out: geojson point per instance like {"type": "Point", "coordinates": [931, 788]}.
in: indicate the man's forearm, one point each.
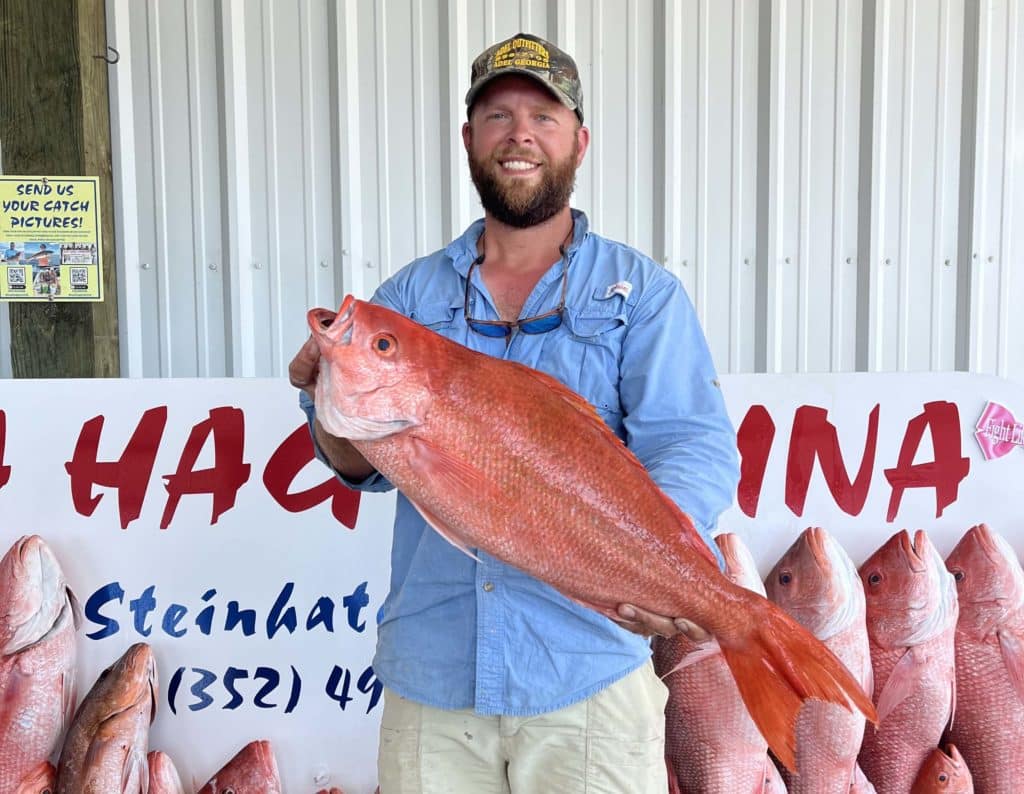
{"type": "Point", "coordinates": [342, 454]}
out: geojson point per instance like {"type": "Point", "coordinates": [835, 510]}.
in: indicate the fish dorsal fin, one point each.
{"type": "Point", "coordinates": [593, 418]}
{"type": "Point", "coordinates": [901, 684]}
{"type": "Point", "coordinates": [1011, 645]}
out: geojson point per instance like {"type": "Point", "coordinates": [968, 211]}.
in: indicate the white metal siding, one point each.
{"type": "Point", "coordinates": [839, 183]}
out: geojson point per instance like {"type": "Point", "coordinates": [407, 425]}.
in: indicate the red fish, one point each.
{"type": "Point", "coordinates": [989, 723]}
{"type": "Point", "coordinates": [816, 582]}
{"type": "Point", "coordinates": [106, 746]}
{"type": "Point", "coordinates": [946, 773]}
{"type": "Point", "coordinates": [41, 780]}
{"type": "Point", "coordinates": [496, 455]}
{"type": "Point", "coordinates": [911, 615]}
{"type": "Point", "coordinates": [711, 743]}
{"type": "Point", "coordinates": [163, 776]}
{"type": "Point", "coordinates": [252, 771]}
{"type": "Point", "coordinates": [37, 658]}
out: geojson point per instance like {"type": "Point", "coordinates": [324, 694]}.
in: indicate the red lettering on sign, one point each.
{"type": "Point", "coordinates": [754, 441]}
{"type": "Point", "coordinates": [945, 473]}
{"type": "Point", "coordinates": [284, 466]}
{"type": "Point", "coordinates": [5, 471]}
{"type": "Point", "coordinates": [229, 473]}
{"type": "Point", "coordinates": [129, 474]}
{"type": "Point", "coordinates": [814, 437]}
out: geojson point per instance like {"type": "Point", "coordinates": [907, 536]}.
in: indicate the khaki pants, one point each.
{"type": "Point", "coordinates": [611, 743]}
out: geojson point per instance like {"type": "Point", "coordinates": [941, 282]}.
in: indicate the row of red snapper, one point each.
{"type": "Point", "coordinates": [103, 745]}
{"type": "Point", "coordinates": [940, 644]}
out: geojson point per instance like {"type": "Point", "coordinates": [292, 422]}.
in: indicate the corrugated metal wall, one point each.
{"type": "Point", "coordinates": [839, 183]}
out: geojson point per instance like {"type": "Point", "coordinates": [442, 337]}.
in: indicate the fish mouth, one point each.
{"type": "Point", "coordinates": [42, 577]}
{"type": "Point", "coordinates": [916, 551]}
{"type": "Point", "coordinates": [954, 754]}
{"type": "Point", "coordinates": [334, 327]}
{"type": "Point", "coordinates": [817, 543]}
{"type": "Point", "coordinates": [986, 541]}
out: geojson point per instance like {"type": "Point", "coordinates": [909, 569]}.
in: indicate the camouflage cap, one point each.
{"type": "Point", "coordinates": [534, 57]}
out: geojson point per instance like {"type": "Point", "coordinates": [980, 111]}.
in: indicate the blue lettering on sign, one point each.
{"type": "Point", "coordinates": [147, 611]}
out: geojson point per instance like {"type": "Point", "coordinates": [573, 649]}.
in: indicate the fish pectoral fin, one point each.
{"type": "Point", "coordinates": [705, 650]}
{"type": "Point", "coordinates": [901, 684]}
{"type": "Point", "coordinates": [439, 527]}
{"type": "Point", "coordinates": [952, 697]}
{"type": "Point", "coordinates": [68, 695]}
{"type": "Point", "coordinates": [1011, 645]}
{"type": "Point", "coordinates": [135, 773]}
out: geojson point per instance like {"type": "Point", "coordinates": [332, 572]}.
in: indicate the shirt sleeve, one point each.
{"type": "Point", "coordinates": [673, 410]}
{"type": "Point", "coordinates": [388, 295]}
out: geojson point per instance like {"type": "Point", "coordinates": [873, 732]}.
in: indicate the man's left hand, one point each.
{"type": "Point", "coordinates": [640, 621]}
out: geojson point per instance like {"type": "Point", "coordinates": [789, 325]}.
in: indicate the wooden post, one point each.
{"type": "Point", "coordinates": [55, 121]}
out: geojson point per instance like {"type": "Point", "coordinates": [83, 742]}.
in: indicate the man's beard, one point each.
{"type": "Point", "coordinates": [521, 205]}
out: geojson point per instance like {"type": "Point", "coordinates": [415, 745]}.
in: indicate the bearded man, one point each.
{"type": "Point", "coordinates": [495, 682]}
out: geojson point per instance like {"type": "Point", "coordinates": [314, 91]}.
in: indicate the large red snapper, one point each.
{"type": "Point", "coordinates": [711, 743]}
{"type": "Point", "coordinates": [253, 770]}
{"type": "Point", "coordinates": [163, 775]}
{"type": "Point", "coordinates": [37, 666]}
{"type": "Point", "coordinates": [944, 773]}
{"type": "Point", "coordinates": [817, 583]}
{"type": "Point", "coordinates": [500, 457]}
{"type": "Point", "coordinates": [911, 617]}
{"type": "Point", "coordinates": [106, 746]}
{"type": "Point", "coordinates": [989, 723]}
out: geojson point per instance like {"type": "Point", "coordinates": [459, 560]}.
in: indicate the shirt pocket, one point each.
{"type": "Point", "coordinates": [586, 356]}
{"type": "Point", "coordinates": [438, 316]}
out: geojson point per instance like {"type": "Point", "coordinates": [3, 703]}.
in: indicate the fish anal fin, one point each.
{"type": "Point", "coordinates": [440, 528]}
{"type": "Point", "coordinates": [777, 665]}
{"type": "Point", "coordinates": [1011, 646]}
{"type": "Point", "coordinates": [901, 684]}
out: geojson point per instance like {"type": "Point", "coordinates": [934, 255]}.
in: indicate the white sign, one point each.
{"type": "Point", "coordinates": [188, 514]}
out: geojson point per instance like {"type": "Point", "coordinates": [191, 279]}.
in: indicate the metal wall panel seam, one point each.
{"type": "Point", "coordinates": [700, 281]}
{"type": "Point", "coordinates": [526, 17]}
{"type": "Point", "coordinates": [490, 24]}
{"type": "Point", "coordinates": [1006, 227]}
{"type": "Point", "coordinates": [804, 337]}
{"type": "Point", "coordinates": [940, 187]}
{"type": "Point", "coordinates": [458, 85]}
{"type": "Point", "coordinates": [565, 28]}
{"type": "Point", "coordinates": [309, 165]}
{"type": "Point", "coordinates": [633, 124]}
{"type": "Point", "coordinates": [907, 158]}
{"type": "Point", "coordinates": [384, 265]}
{"type": "Point", "coordinates": [157, 107]}
{"type": "Point", "coordinates": [238, 193]}
{"type": "Point", "coordinates": [200, 293]}
{"type": "Point", "coordinates": [419, 127]}
{"type": "Point", "coordinates": [6, 365]}
{"type": "Point", "coordinates": [738, 171]}
{"type": "Point", "coordinates": [876, 283]}
{"type": "Point", "coordinates": [839, 177]}
{"type": "Point", "coordinates": [672, 196]}
{"type": "Point", "coordinates": [981, 199]}
{"type": "Point", "coordinates": [272, 268]}
{"type": "Point", "coordinates": [597, 31]}
{"type": "Point", "coordinates": [126, 206]}
{"type": "Point", "coordinates": [774, 194]}
{"type": "Point", "coordinates": [347, 117]}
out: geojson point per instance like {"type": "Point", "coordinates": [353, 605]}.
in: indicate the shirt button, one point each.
{"type": "Point", "coordinates": [488, 586]}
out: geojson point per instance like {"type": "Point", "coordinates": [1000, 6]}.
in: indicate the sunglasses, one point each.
{"type": "Point", "coordinates": [540, 324]}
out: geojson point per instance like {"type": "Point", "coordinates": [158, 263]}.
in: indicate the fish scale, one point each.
{"type": "Point", "coordinates": [499, 457]}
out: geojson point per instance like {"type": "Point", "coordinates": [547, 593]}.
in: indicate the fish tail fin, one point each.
{"type": "Point", "coordinates": [777, 666]}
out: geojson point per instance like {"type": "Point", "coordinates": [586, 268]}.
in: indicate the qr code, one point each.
{"type": "Point", "coordinates": [16, 277]}
{"type": "Point", "coordinates": [79, 277]}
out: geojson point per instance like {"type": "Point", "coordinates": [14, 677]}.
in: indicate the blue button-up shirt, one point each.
{"type": "Point", "coordinates": [455, 632]}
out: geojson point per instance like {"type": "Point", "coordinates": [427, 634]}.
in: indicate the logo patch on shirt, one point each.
{"type": "Point", "coordinates": [623, 288]}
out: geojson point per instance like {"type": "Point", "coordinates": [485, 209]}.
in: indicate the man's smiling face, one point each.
{"type": "Point", "coordinates": [524, 147]}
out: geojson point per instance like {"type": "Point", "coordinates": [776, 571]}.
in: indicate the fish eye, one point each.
{"type": "Point", "coordinates": [958, 575]}
{"type": "Point", "coordinates": [875, 579]}
{"type": "Point", "coordinates": [943, 777]}
{"type": "Point", "coordinates": [785, 577]}
{"type": "Point", "coordinates": [385, 344]}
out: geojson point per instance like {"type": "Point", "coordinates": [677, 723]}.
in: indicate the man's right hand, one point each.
{"type": "Point", "coordinates": [303, 372]}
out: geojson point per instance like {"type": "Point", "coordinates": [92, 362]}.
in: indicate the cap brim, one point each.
{"type": "Point", "coordinates": [483, 82]}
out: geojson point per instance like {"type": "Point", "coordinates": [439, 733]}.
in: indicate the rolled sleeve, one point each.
{"type": "Point", "coordinates": [674, 413]}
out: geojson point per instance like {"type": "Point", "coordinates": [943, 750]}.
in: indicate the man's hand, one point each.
{"type": "Point", "coordinates": [640, 621]}
{"type": "Point", "coordinates": [305, 367]}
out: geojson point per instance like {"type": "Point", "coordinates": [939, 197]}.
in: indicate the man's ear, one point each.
{"type": "Point", "coordinates": [582, 142]}
{"type": "Point", "coordinates": [467, 135]}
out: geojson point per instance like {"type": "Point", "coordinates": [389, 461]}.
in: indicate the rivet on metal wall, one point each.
{"type": "Point", "coordinates": [323, 264]}
{"type": "Point", "coordinates": [991, 259]}
{"type": "Point", "coordinates": [974, 255]}
{"type": "Point", "coordinates": [258, 265]}
{"type": "Point", "coordinates": [746, 260]}
{"type": "Point", "coordinates": [145, 266]}
{"type": "Point", "coordinates": [849, 260]}
{"type": "Point", "coordinates": [212, 265]}
{"type": "Point", "coordinates": [369, 265]}
{"type": "Point", "coordinates": [888, 261]}
{"type": "Point", "coordinates": [946, 262]}
{"type": "Point", "coordinates": [788, 260]}
{"type": "Point", "coordinates": [344, 252]}
{"type": "Point", "coordinates": [686, 263]}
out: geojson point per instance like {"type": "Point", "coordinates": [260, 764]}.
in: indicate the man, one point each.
{"type": "Point", "coordinates": [494, 681]}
